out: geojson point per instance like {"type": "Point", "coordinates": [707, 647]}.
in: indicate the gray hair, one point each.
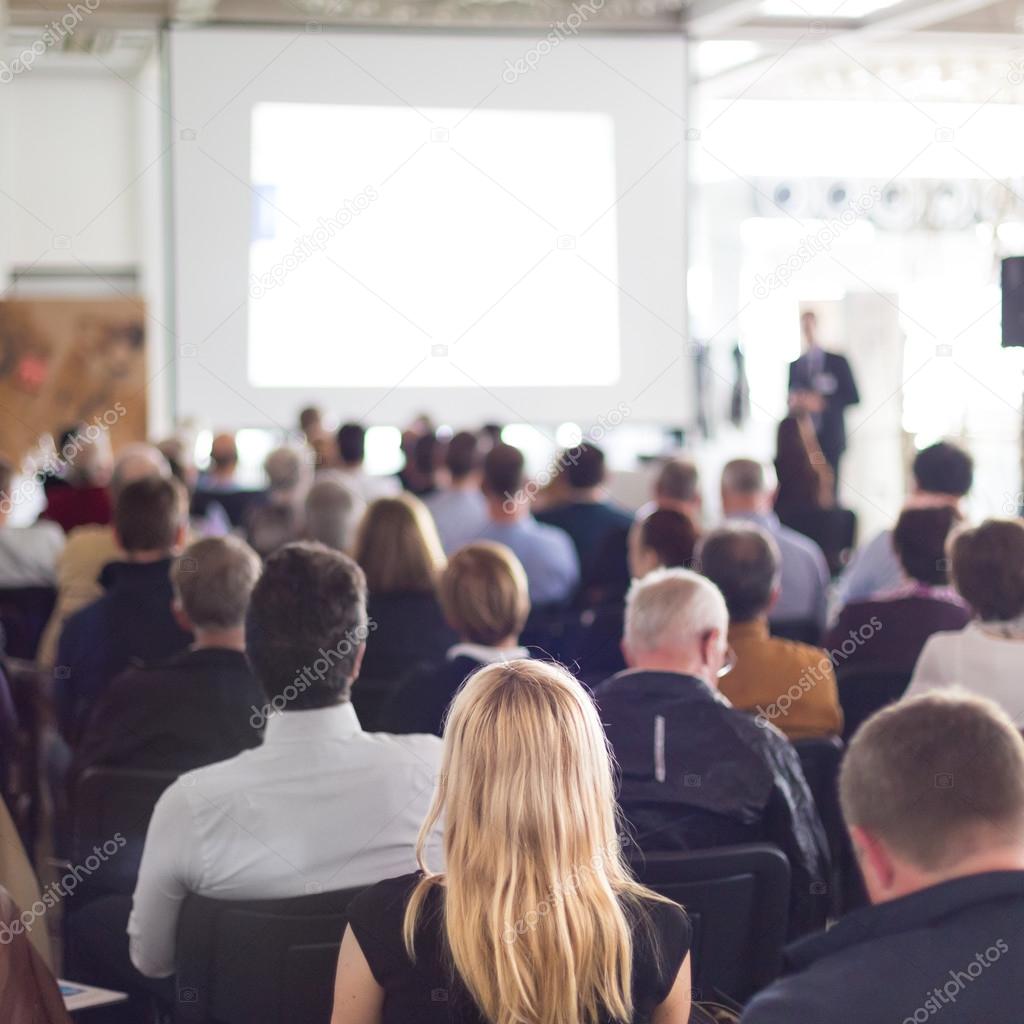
{"type": "Point", "coordinates": [213, 579]}
{"type": "Point", "coordinates": [285, 469]}
{"type": "Point", "coordinates": [332, 511]}
{"type": "Point", "coordinates": [671, 609]}
{"type": "Point", "coordinates": [135, 462]}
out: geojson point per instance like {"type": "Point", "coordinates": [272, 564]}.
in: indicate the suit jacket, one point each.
{"type": "Point", "coordinates": [709, 776]}
{"type": "Point", "coordinates": [194, 709]}
{"type": "Point", "coordinates": [836, 384]}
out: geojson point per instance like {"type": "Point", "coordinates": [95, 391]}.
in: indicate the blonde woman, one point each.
{"type": "Point", "coordinates": [536, 919]}
{"type": "Point", "coordinates": [398, 549]}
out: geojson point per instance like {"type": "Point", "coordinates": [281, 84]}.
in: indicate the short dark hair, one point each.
{"type": "Point", "coordinates": [919, 540]}
{"type": "Point", "coordinates": [937, 777]}
{"type": "Point", "coordinates": [149, 512]}
{"type": "Point", "coordinates": [305, 625]}
{"type": "Point", "coordinates": [463, 455]}
{"type": "Point", "coordinates": [671, 535]}
{"type": "Point", "coordinates": [944, 468]}
{"type": "Point", "coordinates": [988, 568]}
{"type": "Point", "coordinates": [584, 466]}
{"type": "Point", "coordinates": [424, 453]}
{"type": "Point", "coordinates": [743, 562]}
{"type": "Point", "coordinates": [351, 439]}
{"type": "Point", "coordinates": [503, 471]}
{"type": "Point", "coordinates": [678, 480]}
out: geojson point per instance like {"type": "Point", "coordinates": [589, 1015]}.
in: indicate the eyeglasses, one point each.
{"type": "Point", "coordinates": [729, 664]}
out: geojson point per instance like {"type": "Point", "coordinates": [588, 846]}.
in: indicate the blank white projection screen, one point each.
{"type": "Point", "coordinates": [389, 224]}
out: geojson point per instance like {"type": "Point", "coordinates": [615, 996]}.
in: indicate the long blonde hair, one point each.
{"type": "Point", "coordinates": [535, 884]}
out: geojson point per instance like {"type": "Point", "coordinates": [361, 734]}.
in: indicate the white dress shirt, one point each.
{"type": "Point", "coordinates": [320, 806]}
{"type": "Point", "coordinates": [977, 659]}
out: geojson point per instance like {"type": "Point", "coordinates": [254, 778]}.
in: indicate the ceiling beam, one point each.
{"type": "Point", "coordinates": [709, 17]}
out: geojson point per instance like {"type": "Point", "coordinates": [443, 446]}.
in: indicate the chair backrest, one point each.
{"type": "Point", "coordinates": [259, 962]}
{"type": "Point", "coordinates": [834, 530]}
{"type": "Point", "coordinates": [863, 690]}
{"type": "Point", "coordinates": [111, 805]}
{"type": "Point", "coordinates": [737, 899]}
{"type": "Point", "coordinates": [24, 612]}
{"type": "Point", "coordinates": [820, 759]}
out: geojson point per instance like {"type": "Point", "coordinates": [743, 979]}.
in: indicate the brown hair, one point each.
{"type": "Point", "coordinates": [937, 778]}
{"type": "Point", "coordinates": [398, 547]}
{"type": "Point", "coordinates": [988, 568]}
{"type": "Point", "coordinates": [671, 536]}
{"type": "Point", "coordinates": [149, 512]}
{"type": "Point", "coordinates": [484, 593]}
{"type": "Point", "coordinates": [919, 540]}
{"type": "Point", "coordinates": [678, 480]}
{"type": "Point", "coordinates": [804, 477]}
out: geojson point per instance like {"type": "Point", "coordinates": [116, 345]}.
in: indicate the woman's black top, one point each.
{"type": "Point", "coordinates": [429, 992]}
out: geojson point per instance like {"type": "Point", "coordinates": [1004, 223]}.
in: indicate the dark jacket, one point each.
{"type": "Point", "coordinates": [887, 635]}
{"type": "Point", "coordinates": [836, 384]}
{"type": "Point", "coordinates": [194, 709]}
{"type": "Point", "coordinates": [130, 623]}
{"type": "Point", "coordinates": [949, 953]}
{"type": "Point", "coordinates": [717, 779]}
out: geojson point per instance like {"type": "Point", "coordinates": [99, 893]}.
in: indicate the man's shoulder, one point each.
{"type": "Point", "coordinates": [797, 544]}
{"type": "Point", "coordinates": [797, 654]}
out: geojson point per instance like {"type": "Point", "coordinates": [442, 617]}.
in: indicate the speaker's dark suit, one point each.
{"type": "Point", "coordinates": [833, 379]}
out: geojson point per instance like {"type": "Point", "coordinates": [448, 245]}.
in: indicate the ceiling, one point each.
{"type": "Point", "coordinates": [741, 41]}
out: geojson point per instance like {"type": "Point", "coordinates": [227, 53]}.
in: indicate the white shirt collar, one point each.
{"type": "Point", "coordinates": [484, 654]}
{"type": "Point", "coordinates": [338, 722]}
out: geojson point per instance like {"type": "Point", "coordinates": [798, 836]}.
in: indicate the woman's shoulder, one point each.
{"type": "Point", "coordinates": [390, 894]}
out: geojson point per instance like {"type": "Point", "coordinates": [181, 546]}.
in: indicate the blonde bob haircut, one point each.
{"type": "Point", "coordinates": [398, 548]}
{"type": "Point", "coordinates": [536, 891]}
{"type": "Point", "coordinates": [484, 593]}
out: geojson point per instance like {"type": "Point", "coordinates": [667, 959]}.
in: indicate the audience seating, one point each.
{"type": "Point", "coordinates": [863, 690]}
{"type": "Point", "coordinates": [820, 759]}
{"type": "Point", "coordinates": [737, 898]}
{"type": "Point", "coordinates": [24, 612]}
{"type": "Point", "coordinates": [834, 530]}
{"type": "Point", "coordinates": [259, 962]}
{"type": "Point", "coordinates": [237, 505]}
{"type": "Point", "coordinates": [106, 802]}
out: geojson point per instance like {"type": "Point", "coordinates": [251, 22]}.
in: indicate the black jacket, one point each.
{"type": "Point", "coordinates": [419, 705]}
{"type": "Point", "coordinates": [708, 775]}
{"type": "Point", "coordinates": [130, 624]}
{"type": "Point", "coordinates": [948, 954]}
{"type": "Point", "coordinates": [197, 708]}
{"type": "Point", "coordinates": [836, 384]}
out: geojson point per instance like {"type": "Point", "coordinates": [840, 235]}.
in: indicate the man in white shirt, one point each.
{"type": "Point", "coordinates": [321, 805]}
{"type": "Point", "coordinates": [28, 554]}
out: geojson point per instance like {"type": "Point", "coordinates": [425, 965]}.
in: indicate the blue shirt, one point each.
{"type": "Point", "coordinates": [873, 569]}
{"type": "Point", "coordinates": [804, 576]}
{"type": "Point", "coordinates": [459, 516]}
{"type": "Point", "coordinates": [547, 554]}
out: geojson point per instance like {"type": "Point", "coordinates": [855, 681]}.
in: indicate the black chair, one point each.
{"type": "Point", "coordinates": [864, 690]}
{"type": "Point", "coordinates": [834, 530]}
{"type": "Point", "coordinates": [737, 899]}
{"type": "Point", "coordinates": [804, 631]}
{"type": "Point", "coordinates": [110, 805]}
{"type": "Point", "coordinates": [24, 613]}
{"type": "Point", "coordinates": [820, 759]}
{"type": "Point", "coordinates": [237, 505]}
{"type": "Point", "coordinates": [261, 961]}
